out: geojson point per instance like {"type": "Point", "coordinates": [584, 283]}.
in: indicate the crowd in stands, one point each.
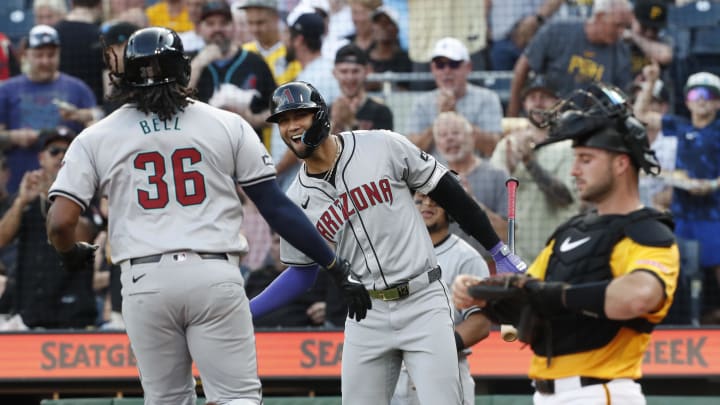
{"type": "Point", "coordinates": [55, 81]}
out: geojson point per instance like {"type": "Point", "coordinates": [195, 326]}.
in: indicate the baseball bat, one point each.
{"type": "Point", "coordinates": [508, 332]}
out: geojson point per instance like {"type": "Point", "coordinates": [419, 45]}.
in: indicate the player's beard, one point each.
{"type": "Point", "coordinates": [304, 153]}
{"type": "Point", "coordinates": [599, 191]}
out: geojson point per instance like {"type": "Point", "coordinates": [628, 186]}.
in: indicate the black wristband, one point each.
{"type": "Point", "coordinates": [587, 299]}
{"type": "Point", "coordinates": [459, 344]}
{"type": "Point", "coordinates": [540, 19]}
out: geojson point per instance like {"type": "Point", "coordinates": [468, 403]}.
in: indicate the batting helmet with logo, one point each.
{"type": "Point", "coordinates": [600, 117]}
{"type": "Point", "coordinates": [298, 95]}
{"type": "Point", "coordinates": [155, 56]}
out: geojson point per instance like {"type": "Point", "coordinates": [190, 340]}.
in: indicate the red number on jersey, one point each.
{"type": "Point", "coordinates": [182, 178]}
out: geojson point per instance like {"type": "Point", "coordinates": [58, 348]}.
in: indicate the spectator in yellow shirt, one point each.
{"type": "Point", "coordinates": [170, 14]}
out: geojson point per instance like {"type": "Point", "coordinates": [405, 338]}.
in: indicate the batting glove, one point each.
{"type": "Point", "coordinates": [354, 292]}
{"type": "Point", "coordinates": [507, 261]}
{"type": "Point", "coordinates": [79, 258]}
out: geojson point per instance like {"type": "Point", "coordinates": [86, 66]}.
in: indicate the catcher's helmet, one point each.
{"type": "Point", "coordinates": [302, 96]}
{"type": "Point", "coordinates": [155, 56]}
{"type": "Point", "coordinates": [600, 117]}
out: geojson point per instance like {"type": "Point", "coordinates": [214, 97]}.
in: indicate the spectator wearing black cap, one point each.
{"type": "Point", "coordinates": [226, 75]}
{"type": "Point", "coordinates": [646, 38]}
{"type": "Point", "coordinates": [114, 37]}
{"type": "Point", "coordinates": [543, 173]}
{"type": "Point", "coordinates": [42, 97]}
{"type": "Point", "coordinates": [44, 293]}
{"type": "Point", "coordinates": [354, 109]}
{"type": "Point", "coordinates": [385, 53]}
{"type": "Point", "coordinates": [305, 45]}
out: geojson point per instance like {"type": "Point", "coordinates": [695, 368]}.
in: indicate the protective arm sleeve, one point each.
{"type": "Point", "coordinates": [289, 285]}
{"type": "Point", "coordinates": [289, 221]}
{"type": "Point", "coordinates": [450, 195]}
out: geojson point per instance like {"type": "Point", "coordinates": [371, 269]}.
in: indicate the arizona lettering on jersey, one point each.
{"type": "Point", "coordinates": [358, 199]}
{"type": "Point", "coordinates": [369, 213]}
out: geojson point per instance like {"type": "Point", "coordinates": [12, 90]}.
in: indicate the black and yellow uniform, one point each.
{"type": "Point", "coordinates": [593, 248]}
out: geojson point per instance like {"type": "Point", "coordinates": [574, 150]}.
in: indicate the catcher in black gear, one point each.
{"type": "Point", "coordinates": [589, 302]}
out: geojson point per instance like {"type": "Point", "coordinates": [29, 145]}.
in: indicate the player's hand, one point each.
{"type": "Point", "coordinates": [354, 292]}
{"type": "Point", "coordinates": [506, 261]}
{"type": "Point", "coordinates": [460, 296]}
{"type": "Point", "coordinates": [79, 258]}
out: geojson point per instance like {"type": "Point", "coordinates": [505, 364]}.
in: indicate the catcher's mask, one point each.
{"type": "Point", "coordinates": [302, 96]}
{"type": "Point", "coordinates": [155, 56]}
{"type": "Point", "coordinates": [599, 117]}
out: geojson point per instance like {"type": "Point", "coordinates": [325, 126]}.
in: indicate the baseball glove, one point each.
{"type": "Point", "coordinates": [79, 258]}
{"type": "Point", "coordinates": [519, 300]}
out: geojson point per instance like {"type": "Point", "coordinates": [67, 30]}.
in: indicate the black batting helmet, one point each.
{"type": "Point", "coordinates": [600, 117]}
{"type": "Point", "coordinates": [155, 56]}
{"type": "Point", "coordinates": [302, 96]}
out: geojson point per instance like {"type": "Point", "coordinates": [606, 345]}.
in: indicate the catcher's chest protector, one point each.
{"type": "Point", "coordinates": [581, 254]}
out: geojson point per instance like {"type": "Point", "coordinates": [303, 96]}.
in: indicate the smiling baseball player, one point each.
{"type": "Point", "coordinates": [355, 187]}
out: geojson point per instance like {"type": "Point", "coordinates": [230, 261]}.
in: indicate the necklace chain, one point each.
{"type": "Point", "coordinates": [338, 150]}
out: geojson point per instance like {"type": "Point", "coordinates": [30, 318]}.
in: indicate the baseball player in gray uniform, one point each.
{"type": "Point", "coordinates": [455, 257]}
{"type": "Point", "coordinates": [355, 187]}
{"type": "Point", "coordinates": [169, 166]}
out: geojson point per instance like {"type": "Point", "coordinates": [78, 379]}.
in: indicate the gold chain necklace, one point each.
{"type": "Point", "coordinates": [330, 172]}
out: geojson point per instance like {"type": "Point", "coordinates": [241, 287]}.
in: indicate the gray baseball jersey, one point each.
{"type": "Point", "coordinates": [370, 216]}
{"type": "Point", "coordinates": [455, 257]}
{"type": "Point", "coordinates": [160, 177]}
{"type": "Point", "coordinates": [171, 187]}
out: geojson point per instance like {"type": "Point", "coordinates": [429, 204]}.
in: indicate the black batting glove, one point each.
{"type": "Point", "coordinates": [353, 291]}
{"type": "Point", "coordinates": [79, 258]}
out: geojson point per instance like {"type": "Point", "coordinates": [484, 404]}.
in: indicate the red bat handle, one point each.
{"type": "Point", "coordinates": [512, 185]}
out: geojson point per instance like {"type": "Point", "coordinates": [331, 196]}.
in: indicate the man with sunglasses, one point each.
{"type": "Point", "coordinates": [695, 205]}
{"type": "Point", "coordinates": [450, 67]}
{"type": "Point", "coordinates": [44, 294]}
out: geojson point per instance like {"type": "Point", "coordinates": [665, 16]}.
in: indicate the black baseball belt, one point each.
{"type": "Point", "coordinates": [403, 290]}
{"type": "Point", "coordinates": [547, 387]}
{"type": "Point", "coordinates": [156, 258]}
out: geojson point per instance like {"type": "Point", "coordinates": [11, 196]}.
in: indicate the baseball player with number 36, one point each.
{"type": "Point", "coordinates": [169, 166]}
{"type": "Point", "coordinates": [355, 187]}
